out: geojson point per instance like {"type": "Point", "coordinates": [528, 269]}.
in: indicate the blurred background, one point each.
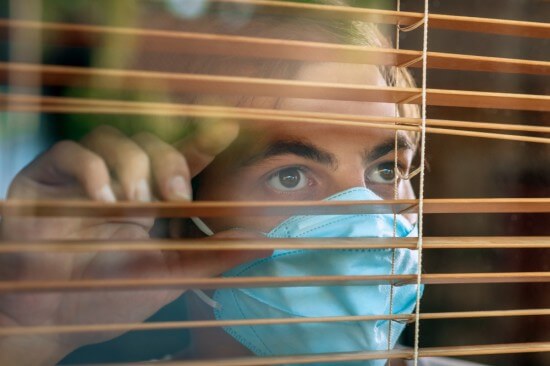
{"type": "Point", "coordinates": [459, 167]}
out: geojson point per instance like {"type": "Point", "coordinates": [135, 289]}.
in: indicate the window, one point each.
{"type": "Point", "coordinates": [275, 182]}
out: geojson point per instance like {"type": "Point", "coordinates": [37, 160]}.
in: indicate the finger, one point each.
{"type": "Point", "coordinates": [67, 161]}
{"type": "Point", "coordinates": [213, 263]}
{"type": "Point", "coordinates": [169, 167]}
{"type": "Point", "coordinates": [210, 139]}
{"type": "Point", "coordinates": [128, 162]}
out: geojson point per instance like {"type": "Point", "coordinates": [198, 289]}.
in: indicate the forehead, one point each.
{"type": "Point", "coordinates": [330, 73]}
{"type": "Point", "coordinates": [254, 136]}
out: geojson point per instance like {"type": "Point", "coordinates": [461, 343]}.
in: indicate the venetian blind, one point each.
{"type": "Point", "coordinates": [31, 91]}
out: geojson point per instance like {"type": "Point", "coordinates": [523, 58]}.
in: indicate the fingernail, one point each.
{"type": "Point", "coordinates": [179, 188]}
{"type": "Point", "coordinates": [106, 194]}
{"type": "Point", "coordinates": [142, 192]}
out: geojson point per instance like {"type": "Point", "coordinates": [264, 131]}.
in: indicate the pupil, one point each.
{"type": "Point", "coordinates": [387, 174]}
{"type": "Point", "coordinates": [289, 178]}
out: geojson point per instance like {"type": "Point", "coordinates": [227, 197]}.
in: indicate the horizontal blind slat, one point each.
{"type": "Point", "coordinates": [246, 282]}
{"type": "Point", "coordinates": [199, 208]}
{"type": "Point", "coordinates": [85, 328]}
{"type": "Point", "coordinates": [159, 112]}
{"type": "Point", "coordinates": [230, 45]}
{"type": "Point", "coordinates": [482, 242]}
{"type": "Point", "coordinates": [268, 208]}
{"type": "Point", "coordinates": [42, 103]}
{"type": "Point", "coordinates": [442, 21]}
{"type": "Point", "coordinates": [68, 75]}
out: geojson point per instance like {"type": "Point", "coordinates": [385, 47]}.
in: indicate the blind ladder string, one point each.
{"type": "Point", "coordinates": [396, 114]}
{"type": "Point", "coordinates": [421, 189]}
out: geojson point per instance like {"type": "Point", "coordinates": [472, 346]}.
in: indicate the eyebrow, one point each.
{"type": "Point", "coordinates": [299, 148]}
{"type": "Point", "coordinates": [386, 147]}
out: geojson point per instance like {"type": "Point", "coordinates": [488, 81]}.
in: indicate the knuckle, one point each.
{"type": "Point", "coordinates": [175, 160]}
{"type": "Point", "coordinates": [63, 147]}
{"type": "Point", "coordinates": [138, 159]}
{"type": "Point", "coordinates": [92, 163]}
{"type": "Point", "coordinates": [170, 161]}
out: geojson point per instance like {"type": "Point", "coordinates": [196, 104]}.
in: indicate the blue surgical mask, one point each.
{"type": "Point", "coordinates": [323, 301]}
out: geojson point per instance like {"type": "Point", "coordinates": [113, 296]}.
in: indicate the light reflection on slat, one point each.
{"type": "Point", "coordinates": [161, 112]}
{"type": "Point", "coordinates": [461, 23]}
{"type": "Point", "coordinates": [219, 44]}
{"type": "Point", "coordinates": [459, 242]}
{"type": "Point", "coordinates": [246, 282]}
{"type": "Point", "coordinates": [80, 208]}
{"type": "Point", "coordinates": [118, 327]}
{"type": "Point", "coordinates": [54, 75]}
{"type": "Point", "coordinates": [255, 113]}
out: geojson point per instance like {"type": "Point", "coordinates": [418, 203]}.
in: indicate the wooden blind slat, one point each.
{"type": "Point", "coordinates": [521, 242]}
{"type": "Point", "coordinates": [198, 283]}
{"type": "Point", "coordinates": [159, 112]}
{"type": "Point", "coordinates": [63, 75]}
{"type": "Point", "coordinates": [45, 103]}
{"type": "Point", "coordinates": [250, 208]}
{"type": "Point", "coordinates": [198, 208]}
{"type": "Point", "coordinates": [124, 327]}
{"type": "Point", "coordinates": [452, 22]}
{"type": "Point", "coordinates": [246, 282]}
{"type": "Point", "coordinates": [229, 45]}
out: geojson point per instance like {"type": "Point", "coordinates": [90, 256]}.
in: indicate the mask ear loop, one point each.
{"type": "Point", "coordinates": [202, 226]}
{"type": "Point", "coordinates": [200, 293]}
{"type": "Point", "coordinates": [207, 299]}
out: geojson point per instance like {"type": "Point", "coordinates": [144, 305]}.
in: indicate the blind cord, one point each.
{"type": "Point", "coordinates": [421, 190]}
{"type": "Point", "coordinates": [395, 189]}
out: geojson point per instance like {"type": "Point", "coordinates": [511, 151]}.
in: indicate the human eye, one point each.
{"type": "Point", "coordinates": [288, 179]}
{"type": "Point", "coordinates": [383, 173]}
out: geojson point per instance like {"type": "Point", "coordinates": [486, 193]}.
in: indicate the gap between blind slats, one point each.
{"type": "Point", "coordinates": [283, 208]}
{"type": "Point", "coordinates": [230, 45]}
{"type": "Point", "coordinates": [441, 21]}
{"type": "Point", "coordinates": [521, 242]}
{"type": "Point", "coordinates": [253, 282]}
{"type": "Point", "coordinates": [32, 103]}
{"type": "Point", "coordinates": [119, 327]}
{"type": "Point", "coordinates": [77, 76]}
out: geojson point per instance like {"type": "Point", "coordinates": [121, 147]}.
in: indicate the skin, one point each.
{"type": "Point", "coordinates": [108, 166]}
{"type": "Point", "coordinates": [328, 159]}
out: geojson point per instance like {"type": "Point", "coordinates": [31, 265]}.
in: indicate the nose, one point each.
{"type": "Point", "coordinates": [348, 176]}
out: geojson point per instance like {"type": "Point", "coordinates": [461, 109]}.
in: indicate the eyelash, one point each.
{"type": "Point", "coordinates": [306, 173]}
{"type": "Point", "coordinates": [301, 169]}
{"type": "Point", "coordinates": [391, 163]}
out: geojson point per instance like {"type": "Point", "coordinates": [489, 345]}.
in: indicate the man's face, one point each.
{"type": "Point", "coordinates": [274, 161]}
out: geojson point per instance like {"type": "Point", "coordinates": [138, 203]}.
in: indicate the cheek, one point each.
{"type": "Point", "coordinates": [405, 190]}
{"type": "Point", "coordinates": [216, 184]}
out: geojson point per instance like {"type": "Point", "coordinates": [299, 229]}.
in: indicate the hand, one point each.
{"type": "Point", "coordinates": [105, 166]}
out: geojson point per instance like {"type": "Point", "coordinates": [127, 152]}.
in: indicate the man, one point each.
{"type": "Point", "coordinates": [229, 161]}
